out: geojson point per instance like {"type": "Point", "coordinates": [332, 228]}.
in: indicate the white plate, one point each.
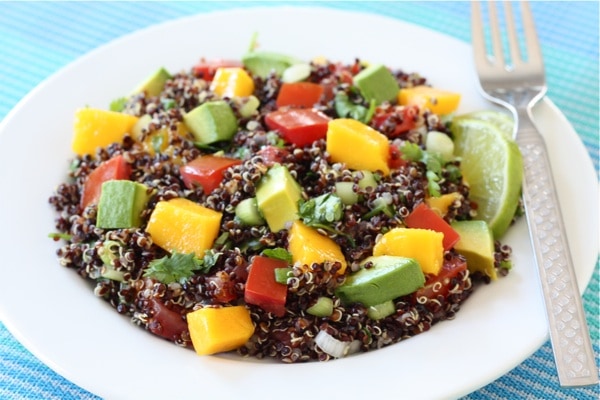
{"type": "Point", "coordinates": [54, 314]}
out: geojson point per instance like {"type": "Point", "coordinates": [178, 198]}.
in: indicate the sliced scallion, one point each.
{"type": "Point", "coordinates": [322, 308]}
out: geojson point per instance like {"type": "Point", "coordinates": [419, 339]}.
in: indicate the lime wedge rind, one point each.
{"type": "Point", "coordinates": [492, 166]}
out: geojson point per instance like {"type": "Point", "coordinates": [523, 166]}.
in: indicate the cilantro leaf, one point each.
{"type": "Point", "coordinates": [346, 108]}
{"type": "Point", "coordinates": [278, 253]}
{"type": "Point", "coordinates": [177, 267]}
{"type": "Point", "coordinates": [321, 212]}
{"type": "Point", "coordinates": [325, 209]}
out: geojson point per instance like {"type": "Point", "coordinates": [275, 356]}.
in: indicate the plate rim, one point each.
{"type": "Point", "coordinates": [164, 25]}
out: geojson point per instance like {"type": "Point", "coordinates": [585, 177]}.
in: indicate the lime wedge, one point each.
{"type": "Point", "coordinates": [501, 120]}
{"type": "Point", "coordinates": [493, 168]}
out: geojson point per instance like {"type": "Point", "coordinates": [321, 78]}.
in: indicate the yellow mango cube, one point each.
{"type": "Point", "coordinates": [232, 82]}
{"type": "Point", "coordinates": [436, 100]}
{"type": "Point", "coordinates": [308, 246]}
{"type": "Point", "coordinates": [357, 145]}
{"type": "Point", "coordinates": [184, 226]}
{"type": "Point", "coordinates": [215, 330]}
{"type": "Point", "coordinates": [441, 204]}
{"type": "Point", "coordinates": [423, 245]}
{"type": "Point", "coordinates": [94, 128]}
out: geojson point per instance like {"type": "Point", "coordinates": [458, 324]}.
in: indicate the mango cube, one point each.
{"type": "Point", "coordinates": [215, 330]}
{"type": "Point", "coordinates": [357, 145]}
{"type": "Point", "coordinates": [94, 128]}
{"type": "Point", "coordinates": [442, 203]}
{"type": "Point", "coordinates": [436, 100]}
{"type": "Point", "coordinates": [308, 246]}
{"type": "Point", "coordinates": [232, 82]}
{"type": "Point", "coordinates": [423, 245]}
{"type": "Point", "coordinates": [184, 226]}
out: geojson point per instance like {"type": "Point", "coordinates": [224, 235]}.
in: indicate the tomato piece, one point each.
{"type": "Point", "coordinates": [395, 159]}
{"type": "Point", "coordinates": [113, 169]}
{"type": "Point", "coordinates": [261, 287]}
{"type": "Point", "coordinates": [424, 217]}
{"type": "Point", "coordinates": [272, 155]}
{"type": "Point", "coordinates": [207, 69]}
{"type": "Point", "coordinates": [300, 126]}
{"type": "Point", "coordinates": [396, 122]}
{"type": "Point", "coordinates": [440, 284]}
{"type": "Point", "coordinates": [206, 171]}
{"type": "Point", "coordinates": [299, 94]}
{"type": "Point", "coordinates": [222, 288]}
{"type": "Point", "coordinates": [165, 322]}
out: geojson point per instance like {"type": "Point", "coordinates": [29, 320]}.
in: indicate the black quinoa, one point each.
{"type": "Point", "coordinates": [161, 308]}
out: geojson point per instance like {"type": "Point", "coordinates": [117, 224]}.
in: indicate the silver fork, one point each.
{"type": "Point", "coordinates": [518, 84]}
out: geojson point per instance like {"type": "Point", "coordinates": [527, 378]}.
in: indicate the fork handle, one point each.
{"type": "Point", "coordinates": [575, 362]}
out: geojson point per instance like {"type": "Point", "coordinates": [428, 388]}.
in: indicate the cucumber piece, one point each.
{"type": "Point", "coordinates": [322, 308]}
{"type": "Point", "coordinates": [441, 144]}
{"type": "Point", "coordinates": [386, 278]}
{"type": "Point", "coordinates": [248, 213]}
{"type": "Point", "coordinates": [345, 191]}
{"type": "Point", "coordinates": [379, 311]}
{"type": "Point", "coordinates": [367, 180]}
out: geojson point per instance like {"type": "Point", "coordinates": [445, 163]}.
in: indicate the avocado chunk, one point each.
{"type": "Point", "coordinates": [121, 204]}
{"type": "Point", "coordinates": [277, 197]}
{"type": "Point", "coordinates": [155, 83]}
{"type": "Point", "coordinates": [476, 244]}
{"type": "Point", "coordinates": [247, 212]}
{"type": "Point", "coordinates": [261, 63]}
{"type": "Point", "coordinates": [211, 122]}
{"type": "Point", "coordinates": [376, 82]}
{"type": "Point", "coordinates": [386, 278]}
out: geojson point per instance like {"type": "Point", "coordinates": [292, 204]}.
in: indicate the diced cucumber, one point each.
{"type": "Point", "coordinates": [441, 144]}
{"type": "Point", "coordinates": [382, 310]}
{"type": "Point", "coordinates": [367, 180]}
{"type": "Point", "coordinates": [296, 73]}
{"type": "Point", "coordinates": [248, 213]}
{"type": "Point", "coordinates": [322, 308]}
{"type": "Point", "coordinates": [345, 191]}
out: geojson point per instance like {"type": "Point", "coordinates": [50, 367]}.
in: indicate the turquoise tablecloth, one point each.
{"type": "Point", "coordinates": [37, 39]}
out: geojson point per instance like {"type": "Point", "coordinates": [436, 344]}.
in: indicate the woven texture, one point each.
{"type": "Point", "coordinates": [37, 39]}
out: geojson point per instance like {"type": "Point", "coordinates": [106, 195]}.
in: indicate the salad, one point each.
{"type": "Point", "coordinates": [279, 208]}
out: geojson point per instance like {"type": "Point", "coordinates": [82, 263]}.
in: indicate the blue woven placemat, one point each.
{"type": "Point", "coordinates": [37, 39]}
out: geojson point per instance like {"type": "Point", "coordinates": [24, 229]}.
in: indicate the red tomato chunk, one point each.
{"type": "Point", "coordinates": [206, 171]}
{"type": "Point", "coordinates": [299, 94]}
{"type": "Point", "coordinates": [261, 287]}
{"type": "Point", "coordinates": [424, 217]}
{"type": "Point", "coordinates": [299, 126]}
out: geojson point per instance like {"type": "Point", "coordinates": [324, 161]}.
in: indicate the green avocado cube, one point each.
{"type": "Point", "coordinates": [387, 278]}
{"type": "Point", "coordinates": [377, 83]}
{"type": "Point", "coordinates": [155, 83]}
{"type": "Point", "coordinates": [262, 63]}
{"type": "Point", "coordinates": [211, 122]}
{"type": "Point", "coordinates": [476, 244]}
{"type": "Point", "coordinates": [121, 204]}
{"type": "Point", "coordinates": [277, 197]}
